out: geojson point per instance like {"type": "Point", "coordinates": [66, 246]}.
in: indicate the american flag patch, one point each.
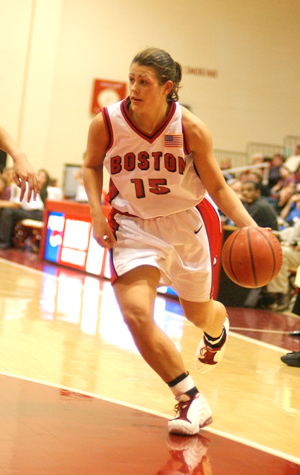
{"type": "Point", "coordinates": [173, 140]}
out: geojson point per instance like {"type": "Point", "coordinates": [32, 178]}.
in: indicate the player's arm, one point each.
{"type": "Point", "coordinates": [93, 180]}
{"type": "Point", "coordinates": [23, 171]}
{"type": "Point", "coordinates": [200, 144]}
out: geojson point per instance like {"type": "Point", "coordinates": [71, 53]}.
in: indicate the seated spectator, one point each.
{"type": "Point", "coordinates": [284, 188]}
{"type": "Point", "coordinates": [251, 174]}
{"type": "Point", "coordinates": [257, 158]}
{"type": "Point", "coordinates": [278, 288]}
{"type": "Point", "coordinates": [14, 210]}
{"type": "Point", "coordinates": [293, 162]}
{"type": "Point", "coordinates": [291, 211]}
{"type": "Point", "coordinates": [260, 210]}
{"type": "Point", "coordinates": [274, 170]}
{"type": "Point", "coordinates": [4, 189]}
{"type": "Point", "coordinates": [257, 176]}
{"type": "Point", "coordinates": [54, 192]}
{"type": "Point", "coordinates": [226, 165]}
{"type": "Point", "coordinates": [236, 185]}
{"type": "Point", "coordinates": [80, 196]}
{"type": "Point", "coordinates": [8, 176]}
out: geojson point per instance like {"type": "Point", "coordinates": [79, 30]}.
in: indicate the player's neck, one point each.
{"type": "Point", "coordinates": [149, 121]}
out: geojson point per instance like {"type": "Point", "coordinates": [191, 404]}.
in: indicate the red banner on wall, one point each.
{"type": "Point", "coordinates": [105, 93]}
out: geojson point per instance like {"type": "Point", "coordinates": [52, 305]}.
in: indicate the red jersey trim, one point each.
{"type": "Point", "coordinates": [186, 147]}
{"type": "Point", "coordinates": [108, 127]}
{"type": "Point", "coordinates": [213, 228]}
{"type": "Point", "coordinates": [149, 137]}
{"type": "Point", "coordinates": [112, 191]}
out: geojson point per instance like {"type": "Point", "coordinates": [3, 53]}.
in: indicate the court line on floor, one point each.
{"type": "Point", "coordinates": [258, 342]}
{"type": "Point", "coordinates": [259, 330]}
{"type": "Point", "coordinates": [217, 432]}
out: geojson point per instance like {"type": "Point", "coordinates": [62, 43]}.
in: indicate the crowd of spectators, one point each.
{"type": "Point", "coordinates": [272, 197]}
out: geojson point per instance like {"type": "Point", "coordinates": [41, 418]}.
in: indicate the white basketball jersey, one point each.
{"type": "Point", "coordinates": [151, 174]}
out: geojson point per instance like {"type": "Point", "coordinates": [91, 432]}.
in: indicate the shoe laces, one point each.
{"type": "Point", "coordinates": [182, 407]}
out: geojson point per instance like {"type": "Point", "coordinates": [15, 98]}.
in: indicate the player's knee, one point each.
{"type": "Point", "coordinates": [136, 318]}
{"type": "Point", "coordinates": [198, 313]}
{"type": "Point", "coordinates": [200, 319]}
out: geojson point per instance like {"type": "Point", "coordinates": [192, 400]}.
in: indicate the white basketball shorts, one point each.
{"type": "Point", "coordinates": [183, 246]}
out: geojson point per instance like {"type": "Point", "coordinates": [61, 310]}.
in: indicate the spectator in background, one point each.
{"type": "Point", "coordinates": [4, 189]}
{"type": "Point", "coordinates": [293, 162]}
{"type": "Point", "coordinates": [251, 174]}
{"type": "Point", "coordinates": [236, 185]}
{"type": "Point", "coordinates": [54, 192]}
{"type": "Point", "coordinates": [278, 288]}
{"type": "Point", "coordinates": [291, 211]}
{"type": "Point", "coordinates": [80, 196]}
{"type": "Point", "coordinates": [226, 165]}
{"type": "Point", "coordinates": [257, 176]}
{"type": "Point", "coordinates": [257, 158]}
{"type": "Point", "coordinates": [274, 170]}
{"type": "Point", "coordinates": [8, 174]}
{"type": "Point", "coordinates": [44, 179]}
{"type": "Point", "coordinates": [284, 188]}
{"type": "Point", "coordinates": [260, 210]}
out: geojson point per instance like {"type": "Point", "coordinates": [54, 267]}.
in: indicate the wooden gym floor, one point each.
{"type": "Point", "coordinates": [76, 397]}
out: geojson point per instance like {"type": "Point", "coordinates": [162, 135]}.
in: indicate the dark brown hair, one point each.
{"type": "Point", "coordinates": [165, 67]}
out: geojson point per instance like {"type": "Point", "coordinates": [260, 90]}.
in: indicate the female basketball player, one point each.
{"type": "Point", "coordinates": [163, 228]}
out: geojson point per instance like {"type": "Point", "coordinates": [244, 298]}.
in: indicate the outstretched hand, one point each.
{"type": "Point", "coordinates": [24, 173]}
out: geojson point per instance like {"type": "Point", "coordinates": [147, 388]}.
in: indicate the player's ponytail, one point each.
{"type": "Point", "coordinates": [177, 78]}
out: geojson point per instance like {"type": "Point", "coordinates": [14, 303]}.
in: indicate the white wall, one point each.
{"type": "Point", "coordinates": [52, 50]}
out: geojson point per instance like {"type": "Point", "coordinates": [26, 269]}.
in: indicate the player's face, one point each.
{"type": "Point", "coordinates": [144, 89]}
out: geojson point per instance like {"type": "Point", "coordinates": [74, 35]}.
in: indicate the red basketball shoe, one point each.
{"type": "Point", "coordinates": [207, 356]}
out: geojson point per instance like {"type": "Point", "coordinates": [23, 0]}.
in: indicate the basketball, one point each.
{"type": "Point", "coordinates": [252, 257]}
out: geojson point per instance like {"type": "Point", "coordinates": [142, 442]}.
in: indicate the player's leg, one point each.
{"type": "Point", "coordinates": [210, 317]}
{"type": "Point", "coordinates": [136, 292]}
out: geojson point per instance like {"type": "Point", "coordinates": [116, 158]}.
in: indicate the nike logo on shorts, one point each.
{"type": "Point", "coordinates": [197, 231]}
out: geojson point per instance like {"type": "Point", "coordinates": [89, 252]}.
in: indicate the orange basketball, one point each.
{"type": "Point", "coordinates": [252, 256]}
